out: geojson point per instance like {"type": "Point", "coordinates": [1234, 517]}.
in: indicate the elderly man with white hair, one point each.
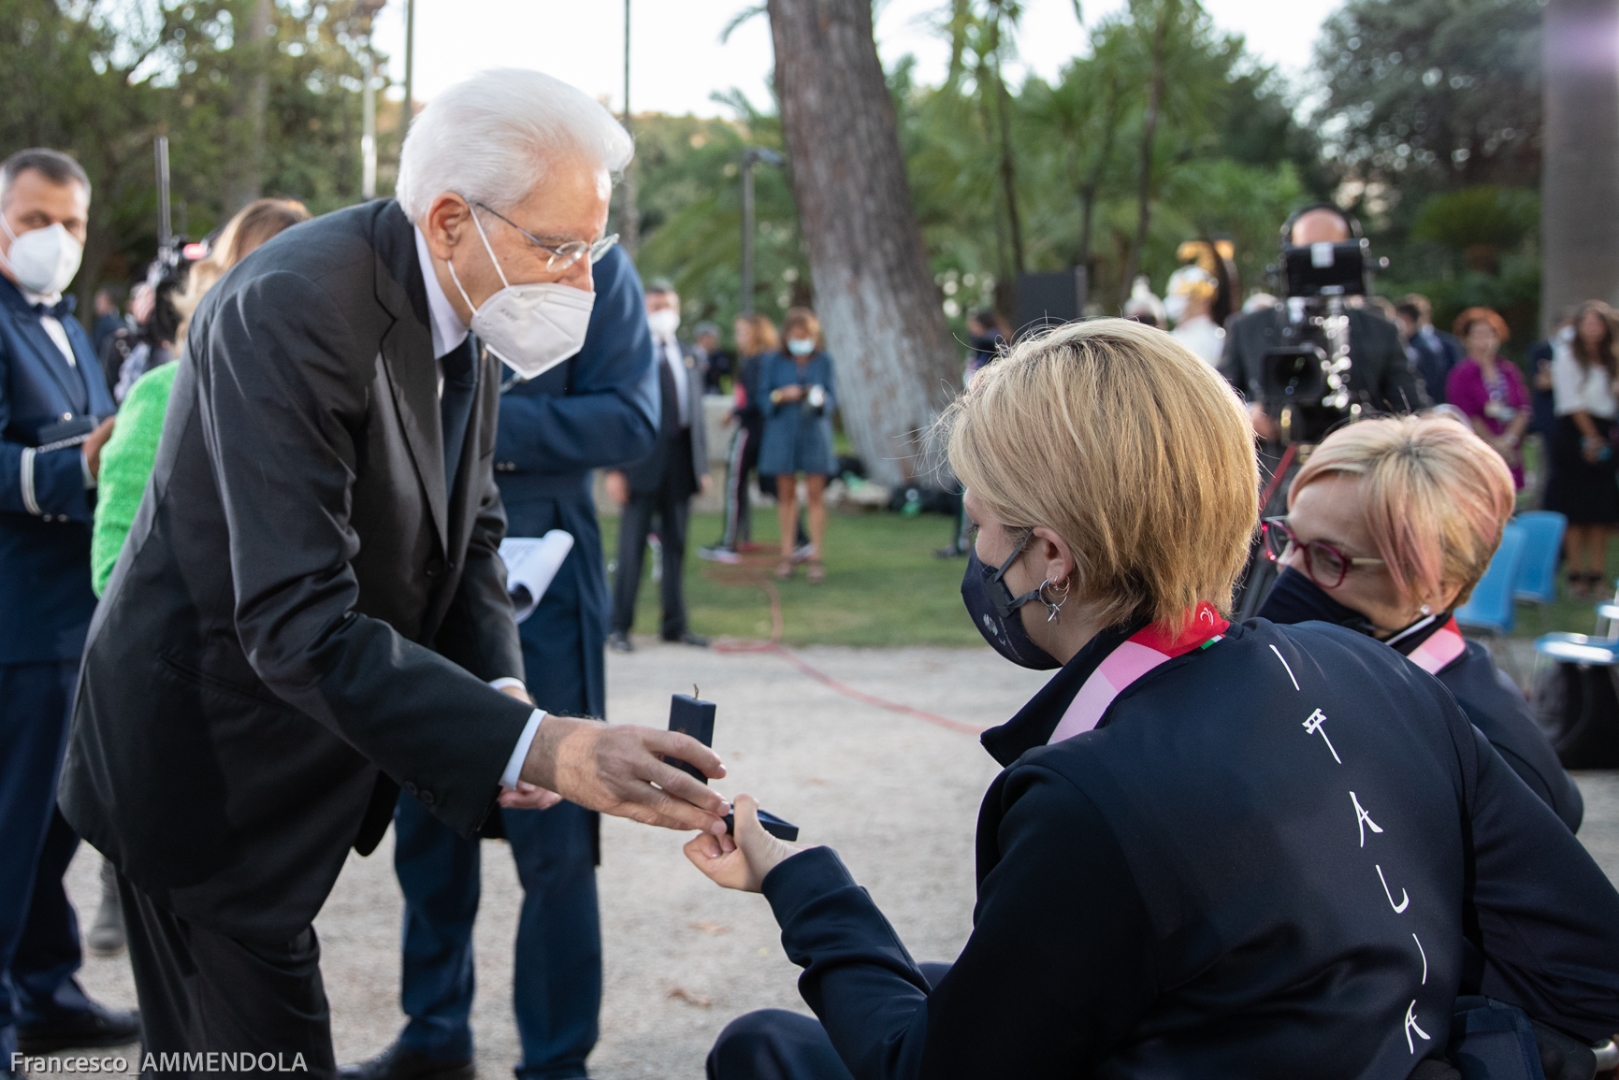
{"type": "Point", "coordinates": [310, 613]}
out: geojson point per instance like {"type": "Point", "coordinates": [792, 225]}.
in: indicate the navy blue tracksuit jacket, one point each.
{"type": "Point", "coordinates": [554, 430]}
{"type": "Point", "coordinates": [1283, 855]}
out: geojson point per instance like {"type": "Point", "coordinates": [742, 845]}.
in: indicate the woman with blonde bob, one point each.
{"type": "Point", "coordinates": [1214, 850]}
{"type": "Point", "coordinates": [1390, 525]}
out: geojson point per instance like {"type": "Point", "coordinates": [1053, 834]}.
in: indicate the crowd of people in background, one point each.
{"type": "Point", "coordinates": [267, 514]}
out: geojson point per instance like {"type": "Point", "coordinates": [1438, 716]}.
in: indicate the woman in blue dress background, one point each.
{"type": "Point", "coordinates": [796, 392]}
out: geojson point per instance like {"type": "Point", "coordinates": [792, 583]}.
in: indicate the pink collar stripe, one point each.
{"type": "Point", "coordinates": [1139, 654]}
{"type": "Point", "coordinates": [1442, 647]}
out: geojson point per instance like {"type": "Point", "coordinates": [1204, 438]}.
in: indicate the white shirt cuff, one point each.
{"type": "Point", "coordinates": [89, 477]}
{"type": "Point", "coordinates": [501, 684]}
{"type": "Point", "coordinates": [514, 766]}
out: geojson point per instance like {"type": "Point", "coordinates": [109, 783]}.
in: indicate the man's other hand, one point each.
{"type": "Point", "coordinates": [529, 797]}
{"type": "Point", "coordinates": [93, 444]}
{"type": "Point", "coordinates": [618, 769]}
{"type": "Point", "coordinates": [741, 862]}
{"type": "Point", "coordinates": [705, 484]}
{"type": "Point", "coordinates": [618, 487]}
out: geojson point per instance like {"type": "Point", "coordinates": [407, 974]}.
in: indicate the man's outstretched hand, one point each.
{"type": "Point", "coordinates": [613, 768]}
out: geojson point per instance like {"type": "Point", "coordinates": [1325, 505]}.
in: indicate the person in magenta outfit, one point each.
{"type": "Point", "coordinates": [1489, 389]}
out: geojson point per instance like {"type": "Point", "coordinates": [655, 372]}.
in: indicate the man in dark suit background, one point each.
{"type": "Point", "coordinates": [662, 484]}
{"type": "Point", "coordinates": [310, 613]}
{"type": "Point", "coordinates": [51, 390]}
{"type": "Point", "coordinates": [1432, 352]}
{"type": "Point", "coordinates": [598, 409]}
{"type": "Point", "coordinates": [1381, 377]}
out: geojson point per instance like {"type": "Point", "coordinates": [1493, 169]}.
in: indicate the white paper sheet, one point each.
{"type": "Point", "coordinates": [530, 566]}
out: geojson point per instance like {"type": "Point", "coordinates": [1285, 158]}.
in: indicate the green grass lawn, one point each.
{"type": "Point", "coordinates": [883, 586]}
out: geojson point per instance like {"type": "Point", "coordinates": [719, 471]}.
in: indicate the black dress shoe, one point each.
{"type": "Point", "coordinates": [619, 641]}
{"type": "Point", "coordinates": [402, 1063]}
{"type": "Point", "coordinates": [86, 1030]}
{"type": "Point", "coordinates": [686, 637]}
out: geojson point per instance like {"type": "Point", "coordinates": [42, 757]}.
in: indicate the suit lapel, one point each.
{"type": "Point", "coordinates": [71, 382]}
{"type": "Point", "coordinates": [407, 357]}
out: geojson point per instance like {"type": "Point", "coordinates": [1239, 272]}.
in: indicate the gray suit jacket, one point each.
{"type": "Point", "coordinates": [302, 617]}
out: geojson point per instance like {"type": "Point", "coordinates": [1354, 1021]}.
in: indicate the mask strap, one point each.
{"type": "Point", "coordinates": [13, 237]}
{"type": "Point", "coordinates": [1000, 574]}
{"type": "Point", "coordinates": [457, 279]}
{"type": "Point", "coordinates": [481, 236]}
{"type": "Point", "coordinates": [476, 224]}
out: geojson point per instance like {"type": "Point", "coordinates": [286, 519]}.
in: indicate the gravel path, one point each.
{"type": "Point", "coordinates": [896, 795]}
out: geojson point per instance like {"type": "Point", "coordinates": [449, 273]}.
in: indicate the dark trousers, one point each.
{"type": "Point", "coordinates": [739, 462]}
{"type": "Point", "coordinates": [39, 933]}
{"type": "Point", "coordinates": [556, 981]}
{"type": "Point", "coordinates": [202, 991]}
{"type": "Point", "coordinates": [671, 513]}
{"type": "Point", "coordinates": [774, 1044]}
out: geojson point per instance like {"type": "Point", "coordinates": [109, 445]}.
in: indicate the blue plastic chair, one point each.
{"type": "Point", "coordinates": [1579, 649]}
{"type": "Point", "coordinates": [1490, 609]}
{"type": "Point", "coordinates": [1537, 575]}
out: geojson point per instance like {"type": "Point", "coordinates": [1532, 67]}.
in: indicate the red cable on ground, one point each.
{"type": "Point", "coordinates": [775, 647]}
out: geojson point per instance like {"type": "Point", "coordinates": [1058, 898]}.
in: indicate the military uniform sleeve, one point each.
{"type": "Point", "coordinates": [48, 484]}
{"type": "Point", "coordinates": [609, 416]}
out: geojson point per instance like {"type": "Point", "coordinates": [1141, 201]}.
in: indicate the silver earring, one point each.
{"type": "Point", "coordinates": [1054, 610]}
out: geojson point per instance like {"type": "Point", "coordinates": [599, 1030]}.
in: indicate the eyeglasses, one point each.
{"type": "Point", "coordinates": [1325, 564]}
{"type": "Point", "coordinates": [562, 255]}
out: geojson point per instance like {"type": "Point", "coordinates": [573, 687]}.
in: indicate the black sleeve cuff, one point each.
{"type": "Point", "coordinates": [802, 879]}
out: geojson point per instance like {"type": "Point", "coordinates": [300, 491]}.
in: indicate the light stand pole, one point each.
{"type": "Point", "coordinates": [367, 10]}
{"type": "Point", "coordinates": [751, 156]}
{"type": "Point", "coordinates": [410, 67]}
{"type": "Point", "coordinates": [629, 227]}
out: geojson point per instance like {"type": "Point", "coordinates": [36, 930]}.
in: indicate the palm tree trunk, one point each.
{"type": "Point", "coordinates": [1580, 168]}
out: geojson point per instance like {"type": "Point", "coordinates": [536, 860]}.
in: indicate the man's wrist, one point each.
{"type": "Point", "coordinates": [520, 751]}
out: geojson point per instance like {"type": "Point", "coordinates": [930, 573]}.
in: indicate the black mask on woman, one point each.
{"type": "Point", "coordinates": [1295, 598]}
{"type": "Point", "coordinates": [995, 612]}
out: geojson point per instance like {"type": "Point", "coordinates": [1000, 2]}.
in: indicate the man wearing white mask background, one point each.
{"type": "Point", "coordinates": [660, 487]}
{"type": "Point", "coordinates": [310, 613]}
{"type": "Point", "coordinates": [55, 414]}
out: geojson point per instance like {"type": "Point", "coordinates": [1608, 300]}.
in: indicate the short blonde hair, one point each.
{"type": "Point", "coordinates": [1129, 447]}
{"type": "Point", "coordinates": [1436, 498]}
{"type": "Point", "coordinates": [253, 226]}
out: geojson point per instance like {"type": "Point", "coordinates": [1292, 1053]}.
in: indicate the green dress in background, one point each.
{"type": "Point", "coordinates": [126, 465]}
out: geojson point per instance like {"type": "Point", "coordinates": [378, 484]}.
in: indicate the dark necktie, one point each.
{"type": "Point", "coordinates": [455, 406]}
{"type": "Point", "coordinates": [59, 310]}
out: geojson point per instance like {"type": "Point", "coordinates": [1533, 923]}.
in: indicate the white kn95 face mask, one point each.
{"type": "Point", "coordinates": [532, 327]}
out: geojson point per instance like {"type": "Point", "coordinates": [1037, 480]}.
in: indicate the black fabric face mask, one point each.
{"type": "Point", "coordinates": [1295, 598]}
{"type": "Point", "coordinates": [995, 612]}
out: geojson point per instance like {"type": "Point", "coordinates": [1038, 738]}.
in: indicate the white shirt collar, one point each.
{"type": "Point", "coordinates": [34, 298]}
{"type": "Point", "coordinates": [448, 329]}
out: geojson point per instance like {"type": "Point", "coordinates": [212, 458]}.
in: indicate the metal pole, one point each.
{"type": "Point", "coordinates": [410, 64]}
{"type": "Point", "coordinates": [368, 140]}
{"type": "Point", "coordinates": [629, 227]}
{"type": "Point", "coordinates": [748, 161]}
